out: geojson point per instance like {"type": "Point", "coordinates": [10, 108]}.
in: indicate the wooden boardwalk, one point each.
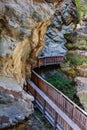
{"type": "Point", "coordinates": [53, 106]}
{"type": "Point", "coordinates": [61, 112]}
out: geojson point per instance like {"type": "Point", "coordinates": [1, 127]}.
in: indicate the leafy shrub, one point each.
{"type": "Point", "coordinates": [62, 83]}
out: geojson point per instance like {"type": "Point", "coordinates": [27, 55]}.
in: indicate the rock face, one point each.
{"type": "Point", "coordinates": [61, 27]}
{"type": "Point", "coordinates": [76, 61]}
{"type": "Point", "coordinates": [15, 104]}
{"type": "Point", "coordinates": [22, 28]}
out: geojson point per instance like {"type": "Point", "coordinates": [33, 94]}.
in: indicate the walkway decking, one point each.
{"type": "Point", "coordinates": [61, 112]}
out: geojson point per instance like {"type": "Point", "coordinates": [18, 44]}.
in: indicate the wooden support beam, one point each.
{"type": "Point", "coordinates": [55, 121]}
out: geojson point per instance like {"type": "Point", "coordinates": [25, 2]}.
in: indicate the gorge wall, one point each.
{"type": "Point", "coordinates": [23, 27]}
{"type": "Point", "coordinates": [75, 65]}
{"type": "Point", "coordinates": [22, 30]}
{"type": "Point", "coordinates": [22, 33]}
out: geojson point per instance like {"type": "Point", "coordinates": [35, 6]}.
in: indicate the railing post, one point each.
{"type": "Point", "coordinates": [38, 61]}
{"type": "Point", "coordinates": [55, 121]}
{"type": "Point", "coordinates": [45, 61]}
{"type": "Point", "coordinates": [44, 108]}
{"type": "Point", "coordinates": [34, 97]}
{"type": "Point", "coordinates": [73, 113]}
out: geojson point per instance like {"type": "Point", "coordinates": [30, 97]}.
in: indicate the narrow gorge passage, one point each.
{"type": "Point", "coordinates": [44, 28]}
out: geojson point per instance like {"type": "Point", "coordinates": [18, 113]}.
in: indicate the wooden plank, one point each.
{"type": "Point", "coordinates": [61, 113]}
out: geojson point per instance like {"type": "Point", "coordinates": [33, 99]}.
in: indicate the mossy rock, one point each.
{"type": "Point", "coordinates": [71, 46]}
{"type": "Point", "coordinates": [79, 44]}
{"type": "Point", "coordinates": [72, 65]}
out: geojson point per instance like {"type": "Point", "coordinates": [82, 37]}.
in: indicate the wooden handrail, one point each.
{"type": "Point", "coordinates": [74, 112]}
{"type": "Point", "coordinates": [75, 105]}
{"type": "Point", "coordinates": [43, 61]}
{"type": "Point", "coordinates": [58, 119]}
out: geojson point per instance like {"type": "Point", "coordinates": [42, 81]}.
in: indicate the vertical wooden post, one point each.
{"type": "Point", "coordinates": [55, 121]}
{"type": "Point", "coordinates": [38, 63]}
{"type": "Point", "coordinates": [44, 61]}
{"type": "Point", "coordinates": [34, 97]}
{"type": "Point", "coordinates": [44, 108]}
{"type": "Point", "coordinates": [73, 113]}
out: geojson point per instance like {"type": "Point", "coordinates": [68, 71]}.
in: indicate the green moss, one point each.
{"type": "Point", "coordinates": [61, 82]}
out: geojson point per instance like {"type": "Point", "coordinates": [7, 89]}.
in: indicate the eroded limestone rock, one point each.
{"type": "Point", "coordinates": [22, 30]}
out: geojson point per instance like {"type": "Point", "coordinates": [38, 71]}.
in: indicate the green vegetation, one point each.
{"type": "Point", "coordinates": [77, 60]}
{"type": "Point", "coordinates": [81, 8]}
{"type": "Point", "coordinates": [62, 83]}
{"type": "Point", "coordinates": [72, 64]}
{"type": "Point", "coordinates": [78, 5]}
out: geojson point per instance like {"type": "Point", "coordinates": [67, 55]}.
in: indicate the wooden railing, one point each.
{"type": "Point", "coordinates": [75, 113]}
{"type": "Point", "coordinates": [43, 61]}
{"type": "Point", "coordinates": [54, 115]}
